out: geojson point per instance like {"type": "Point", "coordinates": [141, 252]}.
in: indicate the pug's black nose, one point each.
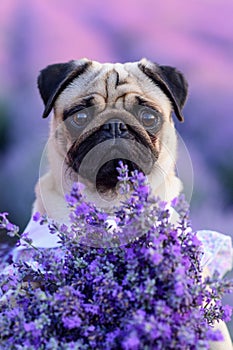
{"type": "Point", "coordinates": [115, 128]}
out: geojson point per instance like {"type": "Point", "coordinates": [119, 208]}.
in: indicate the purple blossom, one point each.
{"type": "Point", "coordinates": [214, 336]}
{"type": "Point", "coordinates": [71, 322]}
{"type": "Point", "coordinates": [155, 257]}
{"type": "Point", "coordinates": [179, 288]}
{"type": "Point", "coordinates": [132, 342]}
{"type": "Point", "coordinates": [139, 287]}
{"type": "Point", "coordinates": [36, 217]}
{"type": "Point", "coordinates": [53, 228]}
{"type": "Point", "coordinates": [102, 216]}
{"type": "Point", "coordinates": [10, 227]}
{"type": "Point", "coordinates": [63, 228]}
{"type": "Point", "coordinates": [227, 312]}
{"type": "Point", "coordinates": [12, 230]}
{"type": "Point", "coordinates": [82, 209]}
{"type": "Point", "coordinates": [29, 327]}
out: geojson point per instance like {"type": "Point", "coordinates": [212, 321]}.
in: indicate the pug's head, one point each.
{"type": "Point", "coordinates": [104, 113]}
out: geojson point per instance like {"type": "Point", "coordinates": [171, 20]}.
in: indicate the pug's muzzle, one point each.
{"type": "Point", "coordinates": [97, 156]}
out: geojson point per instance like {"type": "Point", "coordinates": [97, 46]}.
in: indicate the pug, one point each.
{"type": "Point", "coordinates": [104, 113]}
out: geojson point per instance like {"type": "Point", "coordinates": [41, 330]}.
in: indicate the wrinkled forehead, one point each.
{"type": "Point", "coordinates": [111, 82]}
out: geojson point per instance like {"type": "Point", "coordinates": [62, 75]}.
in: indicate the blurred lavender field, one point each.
{"type": "Point", "coordinates": [196, 36]}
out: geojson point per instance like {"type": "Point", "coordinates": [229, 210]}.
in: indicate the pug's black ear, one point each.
{"type": "Point", "coordinates": [171, 81]}
{"type": "Point", "coordinates": [53, 79]}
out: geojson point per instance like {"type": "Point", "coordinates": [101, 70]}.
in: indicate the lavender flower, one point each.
{"type": "Point", "coordinates": [11, 229]}
{"type": "Point", "coordinates": [138, 286]}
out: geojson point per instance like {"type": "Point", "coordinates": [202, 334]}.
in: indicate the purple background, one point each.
{"type": "Point", "coordinates": [196, 36]}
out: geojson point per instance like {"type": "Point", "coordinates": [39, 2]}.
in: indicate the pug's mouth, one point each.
{"type": "Point", "coordinates": [107, 176]}
{"type": "Point", "coordinates": [97, 157]}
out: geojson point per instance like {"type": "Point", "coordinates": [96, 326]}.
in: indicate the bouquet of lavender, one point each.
{"type": "Point", "coordinates": [132, 281]}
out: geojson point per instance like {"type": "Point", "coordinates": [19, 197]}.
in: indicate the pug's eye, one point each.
{"type": "Point", "coordinates": [80, 118]}
{"type": "Point", "coordinates": [149, 119]}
